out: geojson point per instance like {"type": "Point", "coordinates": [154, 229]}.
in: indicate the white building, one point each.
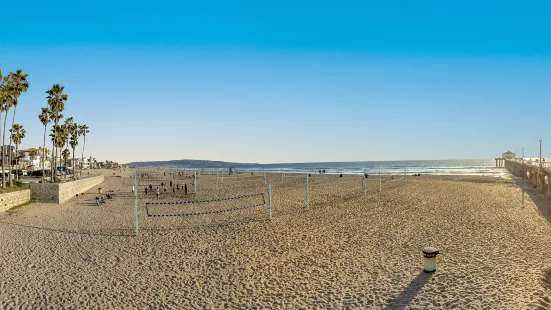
{"type": "Point", "coordinates": [33, 162]}
{"type": "Point", "coordinates": [508, 155]}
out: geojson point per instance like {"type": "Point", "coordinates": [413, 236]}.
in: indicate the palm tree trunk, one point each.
{"type": "Point", "coordinates": [83, 145]}
{"type": "Point", "coordinates": [73, 165]}
{"type": "Point", "coordinates": [16, 161]}
{"type": "Point", "coordinates": [54, 153]}
{"type": "Point", "coordinates": [66, 158]}
{"type": "Point", "coordinates": [3, 149]}
{"type": "Point", "coordinates": [12, 122]}
{"type": "Point", "coordinates": [44, 153]}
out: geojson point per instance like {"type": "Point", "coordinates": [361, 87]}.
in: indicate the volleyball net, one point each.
{"type": "Point", "coordinates": [204, 207]}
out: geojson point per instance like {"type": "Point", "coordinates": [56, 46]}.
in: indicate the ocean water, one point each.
{"type": "Point", "coordinates": [481, 167]}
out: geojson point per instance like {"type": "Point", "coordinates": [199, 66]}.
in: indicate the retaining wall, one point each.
{"type": "Point", "coordinates": [61, 192]}
{"type": "Point", "coordinates": [13, 199]}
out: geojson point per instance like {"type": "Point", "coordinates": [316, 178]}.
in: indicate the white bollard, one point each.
{"type": "Point", "coordinates": [429, 254]}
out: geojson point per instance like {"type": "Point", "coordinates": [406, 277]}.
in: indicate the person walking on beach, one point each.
{"type": "Point", "coordinates": [170, 183]}
{"type": "Point", "coordinates": [157, 193]}
{"type": "Point", "coordinates": [164, 188]}
{"type": "Point", "coordinates": [185, 189]}
{"type": "Point", "coordinates": [150, 187]}
{"type": "Point", "coordinates": [146, 190]}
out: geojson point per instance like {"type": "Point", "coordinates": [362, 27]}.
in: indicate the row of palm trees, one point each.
{"type": "Point", "coordinates": [63, 135]}
{"type": "Point", "coordinates": [12, 86]}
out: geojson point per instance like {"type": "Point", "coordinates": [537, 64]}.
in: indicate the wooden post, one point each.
{"type": "Point", "coordinates": [380, 186]}
{"type": "Point", "coordinates": [136, 202]}
{"type": "Point", "coordinates": [270, 200]}
{"type": "Point", "coordinates": [307, 206]}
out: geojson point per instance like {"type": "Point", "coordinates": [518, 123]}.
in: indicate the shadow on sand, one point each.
{"type": "Point", "coordinates": [130, 232]}
{"type": "Point", "coordinates": [539, 199]}
{"type": "Point", "coordinates": [404, 299]}
{"type": "Point", "coordinates": [105, 232]}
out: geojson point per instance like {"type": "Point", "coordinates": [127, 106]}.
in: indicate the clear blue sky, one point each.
{"type": "Point", "coordinates": [289, 81]}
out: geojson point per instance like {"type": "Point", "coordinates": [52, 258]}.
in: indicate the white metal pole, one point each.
{"type": "Point", "coordinates": [136, 202]}
{"type": "Point", "coordinates": [380, 187]}
{"type": "Point", "coordinates": [282, 176]}
{"type": "Point", "coordinates": [365, 186]}
{"type": "Point", "coordinates": [195, 180]}
{"type": "Point", "coordinates": [307, 207]}
{"type": "Point", "coordinates": [270, 199]}
{"type": "Point", "coordinates": [405, 176]}
{"type": "Point", "coordinates": [217, 182]}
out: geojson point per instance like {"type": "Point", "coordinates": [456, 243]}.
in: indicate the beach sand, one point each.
{"type": "Point", "coordinates": [347, 251]}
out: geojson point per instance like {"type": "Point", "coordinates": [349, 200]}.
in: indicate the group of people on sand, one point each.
{"type": "Point", "coordinates": [145, 176]}
{"type": "Point", "coordinates": [164, 187]}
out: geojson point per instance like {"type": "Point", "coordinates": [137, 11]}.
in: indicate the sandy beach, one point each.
{"type": "Point", "coordinates": [347, 251]}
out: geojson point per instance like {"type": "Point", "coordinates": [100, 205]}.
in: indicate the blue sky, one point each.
{"type": "Point", "coordinates": [287, 81]}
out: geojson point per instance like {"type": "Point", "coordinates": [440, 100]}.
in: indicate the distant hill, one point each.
{"type": "Point", "coordinates": [189, 163]}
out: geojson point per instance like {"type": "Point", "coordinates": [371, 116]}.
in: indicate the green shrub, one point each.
{"type": "Point", "coordinates": [17, 183]}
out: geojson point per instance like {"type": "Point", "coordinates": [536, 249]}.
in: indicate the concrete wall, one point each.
{"type": "Point", "coordinates": [70, 189]}
{"type": "Point", "coordinates": [61, 192]}
{"type": "Point", "coordinates": [44, 192]}
{"type": "Point", "coordinates": [13, 199]}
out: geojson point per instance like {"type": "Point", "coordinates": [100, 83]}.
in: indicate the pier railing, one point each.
{"type": "Point", "coordinates": [538, 176]}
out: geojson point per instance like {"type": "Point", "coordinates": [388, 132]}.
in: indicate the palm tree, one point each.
{"type": "Point", "coordinates": [8, 102]}
{"type": "Point", "coordinates": [74, 132]}
{"type": "Point", "coordinates": [19, 86]}
{"type": "Point", "coordinates": [69, 123]}
{"type": "Point", "coordinates": [65, 137]}
{"type": "Point", "coordinates": [65, 155]}
{"type": "Point", "coordinates": [56, 101]}
{"type": "Point", "coordinates": [45, 119]}
{"type": "Point", "coordinates": [58, 142]}
{"type": "Point", "coordinates": [17, 134]}
{"type": "Point", "coordinates": [3, 101]}
{"type": "Point", "coordinates": [83, 129]}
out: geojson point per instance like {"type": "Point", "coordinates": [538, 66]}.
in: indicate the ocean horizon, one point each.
{"type": "Point", "coordinates": [483, 167]}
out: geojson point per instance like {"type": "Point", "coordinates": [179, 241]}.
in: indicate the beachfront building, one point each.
{"type": "Point", "coordinates": [79, 163]}
{"type": "Point", "coordinates": [32, 158]}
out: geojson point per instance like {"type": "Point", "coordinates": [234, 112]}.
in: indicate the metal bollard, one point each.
{"type": "Point", "coordinates": [430, 259]}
